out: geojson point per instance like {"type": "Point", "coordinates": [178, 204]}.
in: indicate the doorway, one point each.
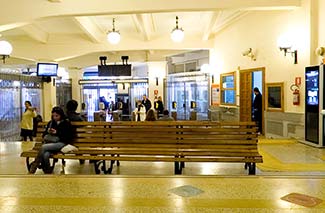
{"type": "Point", "coordinates": [92, 94]}
{"type": "Point", "coordinates": [188, 90]}
{"type": "Point", "coordinates": [249, 79]}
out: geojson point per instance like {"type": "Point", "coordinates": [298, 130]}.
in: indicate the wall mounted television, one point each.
{"type": "Point", "coordinates": [47, 69]}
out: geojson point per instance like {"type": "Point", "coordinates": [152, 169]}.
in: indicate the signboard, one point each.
{"type": "Point", "coordinates": [215, 94]}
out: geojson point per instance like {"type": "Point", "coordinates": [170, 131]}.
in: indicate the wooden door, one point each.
{"type": "Point", "coordinates": [245, 96]}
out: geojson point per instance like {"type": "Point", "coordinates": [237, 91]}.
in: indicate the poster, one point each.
{"type": "Point", "coordinates": [215, 93]}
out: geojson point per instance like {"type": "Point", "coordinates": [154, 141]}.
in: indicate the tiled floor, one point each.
{"type": "Point", "coordinates": [146, 187]}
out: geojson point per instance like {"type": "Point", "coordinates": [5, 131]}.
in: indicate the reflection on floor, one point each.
{"type": "Point", "coordinates": [151, 187]}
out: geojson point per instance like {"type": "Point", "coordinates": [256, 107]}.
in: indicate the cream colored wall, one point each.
{"type": "Point", "coordinates": [260, 31]}
{"type": "Point", "coordinates": [321, 28]}
{"type": "Point", "coordinates": [75, 75]}
{"type": "Point", "coordinates": [49, 99]}
{"type": "Point", "coordinates": [156, 69]}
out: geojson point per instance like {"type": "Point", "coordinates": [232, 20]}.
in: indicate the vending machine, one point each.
{"type": "Point", "coordinates": [314, 106]}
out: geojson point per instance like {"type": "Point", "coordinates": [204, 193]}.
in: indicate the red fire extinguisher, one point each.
{"type": "Point", "coordinates": [296, 94]}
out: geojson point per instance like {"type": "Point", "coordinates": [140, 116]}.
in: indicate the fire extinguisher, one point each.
{"type": "Point", "coordinates": [296, 94]}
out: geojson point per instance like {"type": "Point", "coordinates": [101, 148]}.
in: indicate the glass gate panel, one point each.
{"type": "Point", "coordinates": [187, 90]}
{"type": "Point", "coordinates": [91, 96]}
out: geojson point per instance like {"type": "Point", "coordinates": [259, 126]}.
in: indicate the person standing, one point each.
{"type": "Point", "coordinates": [139, 112]}
{"type": "Point", "coordinates": [146, 102]}
{"type": "Point", "coordinates": [159, 106]}
{"type": "Point", "coordinates": [257, 109]}
{"type": "Point", "coordinates": [27, 122]}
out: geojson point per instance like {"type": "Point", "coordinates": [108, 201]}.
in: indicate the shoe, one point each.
{"type": "Point", "coordinates": [48, 170]}
{"type": "Point", "coordinates": [33, 167]}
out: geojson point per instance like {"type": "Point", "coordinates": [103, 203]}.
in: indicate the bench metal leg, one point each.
{"type": "Point", "coordinates": [109, 170]}
{"type": "Point", "coordinates": [97, 165]}
{"type": "Point", "coordinates": [28, 163]}
{"type": "Point", "coordinates": [252, 169]}
{"type": "Point", "coordinates": [177, 168]}
{"type": "Point", "coordinates": [246, 166]}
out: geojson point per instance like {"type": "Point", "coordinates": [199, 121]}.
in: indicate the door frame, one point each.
{"type": "Point", "coordinates": [252, 70]}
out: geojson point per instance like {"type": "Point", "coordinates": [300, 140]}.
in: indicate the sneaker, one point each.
{"type": "Point", "coordinates": [33, 167]}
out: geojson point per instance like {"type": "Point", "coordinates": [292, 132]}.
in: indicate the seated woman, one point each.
{"type": "Point", "coordinates": [59, 129]}
{"type": "Point", "coordinates": [151, 115]}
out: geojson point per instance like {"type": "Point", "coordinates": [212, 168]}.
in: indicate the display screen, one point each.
{"type": "Point", "coordinates": [114, 70]}
{"type": "Point", "coordinates": [312, 86]}
{"type": "Point", "coordinates": [47, 69]}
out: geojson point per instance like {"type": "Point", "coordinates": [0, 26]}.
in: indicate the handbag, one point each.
{"type": "Point", "coordinates": [51, 138]}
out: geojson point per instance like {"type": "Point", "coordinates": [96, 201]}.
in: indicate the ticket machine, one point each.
{"type": "Point", "coordinates": [314, 106]}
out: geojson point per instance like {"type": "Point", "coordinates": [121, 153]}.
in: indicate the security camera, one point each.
{"type": "Point", "coordinates": [320, 51]}
{"type": "Point", "coordinates": [247, 52]}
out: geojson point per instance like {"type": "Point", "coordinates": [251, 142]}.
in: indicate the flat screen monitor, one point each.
{"type": "Point", "coordinates": [312, 86]}
{"type": "Point", "coordinates": [47, 69]}
{"type": "Point", "coordinates": [114, 70]}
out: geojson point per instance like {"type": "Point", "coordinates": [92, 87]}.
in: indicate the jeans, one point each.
{"type": "Point", "coordinates": [46, 150]}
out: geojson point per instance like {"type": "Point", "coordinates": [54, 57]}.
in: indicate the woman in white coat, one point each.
{"type": "Point", "coordinates": [139, 112]}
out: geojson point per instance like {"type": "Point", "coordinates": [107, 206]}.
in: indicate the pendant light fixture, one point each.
{"type": "Point", "coordinates": [177, 34]}
{"type": "Point", "coordinates": [113, 36]}
{"type": "Point", "coordinates": [5, 50]}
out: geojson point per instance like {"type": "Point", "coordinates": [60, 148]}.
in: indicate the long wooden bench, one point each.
{"type": "Point", "coordinates": [174, 141]}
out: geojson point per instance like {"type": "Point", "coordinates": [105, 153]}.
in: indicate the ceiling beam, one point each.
{"type": "Point", "coordinates": [213, 18]}
{"type": "Point", "coordinates": [229, 18]}
{"type": "Point", "coordinates": [36, 33]}
{"type": "Point", "coordinates": [44, 9]}
{"type": "Point", "coordinates": [90, 28]}
{"type": "Point", "coordinates": [144, 24]}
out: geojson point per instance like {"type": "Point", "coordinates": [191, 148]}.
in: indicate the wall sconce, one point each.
{"type": "Point", "coordinates": [5, 50]}
{"type": "Point", "coordinates": [320, 51]}
{"type": "Point", "coordinates": [157, 81]}
{"type": "Point", "coordinates": [294, 53]}
{"type": "Point", "coordinates": [249, 53]}
{"type": "Point", "coordinates": [113, 36]}
{"type": "Point", "coordinates": [285, 45]}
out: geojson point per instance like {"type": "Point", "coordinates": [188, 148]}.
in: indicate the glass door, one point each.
{"type": "Point", "coordinates": [92, 96]}
{"type": "Point", "coordinates": [190, 95]}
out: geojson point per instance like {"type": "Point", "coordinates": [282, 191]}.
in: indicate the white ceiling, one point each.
{"type": "Point", "coordinates": [73, 32]}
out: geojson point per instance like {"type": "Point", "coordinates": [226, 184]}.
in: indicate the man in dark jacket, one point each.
{"type": "Point", "coordinates": [146, 102]}
{"type": "Point", "coordinates": [72, 115]}
{"type": "Point", "coordinates": [257, 109]}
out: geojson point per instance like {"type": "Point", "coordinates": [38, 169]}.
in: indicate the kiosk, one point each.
{"type": "Point", "coordinates": [314, 106]}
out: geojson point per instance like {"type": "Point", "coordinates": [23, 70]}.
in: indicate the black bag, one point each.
{"type": "Point", "coordinates": [51, 138]}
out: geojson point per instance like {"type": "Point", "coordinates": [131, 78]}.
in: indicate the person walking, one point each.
{"type": "Point", "coordinates": [26, 124]}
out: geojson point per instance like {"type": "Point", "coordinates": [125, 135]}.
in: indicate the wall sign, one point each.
{"type": "Point", "coordinates": [215, 94]}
